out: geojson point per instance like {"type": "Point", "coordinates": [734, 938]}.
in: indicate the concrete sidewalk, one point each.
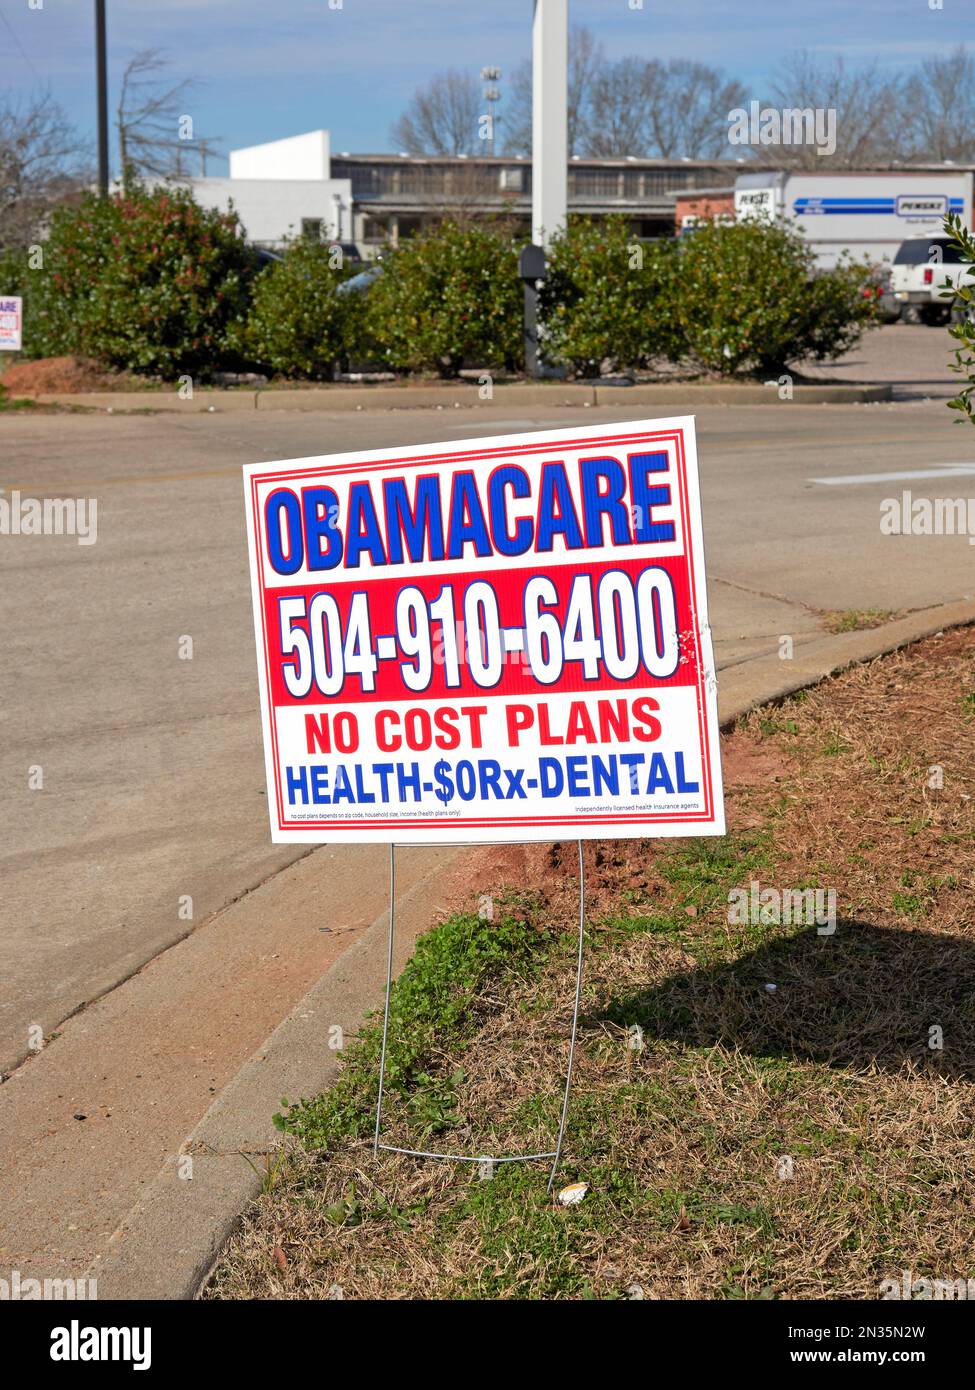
{"type": "Point", "coordinates": [89, 1121]}
{"type": "Point", "coordinates": [165, 1247]}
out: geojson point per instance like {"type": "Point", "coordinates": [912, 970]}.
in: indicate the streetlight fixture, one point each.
{"type": "Point", "coordinates": [492, 95]}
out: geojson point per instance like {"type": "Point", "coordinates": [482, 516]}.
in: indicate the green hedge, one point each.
{"type": "Point", "coordinates": [449, 297]}
{"type": "Point", "coordinates": [150, 282]}
{"type": "Point", "coordinates": [747, 299]}
{"type": "Point", "coordinates": [146, 281]}
{"type": "Point", "coordinates": [297, 324]}
{"type": "Point", "coordinates": [609, 299]}
{"type": "Point", "coordinates": [731, 299]}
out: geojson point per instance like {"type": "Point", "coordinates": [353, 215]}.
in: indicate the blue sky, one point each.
{"type": "Point", "coordinates": [271, 68]}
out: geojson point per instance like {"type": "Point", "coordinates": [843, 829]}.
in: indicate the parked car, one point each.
{"type": "Point", "coordinates": [263, 257]}
{"type": "Point", "coordinates": [921, 267]}
{"type": "Point", "coordinates": [878, 289]}
{"type": "Point", "coordinates": [358, 284]}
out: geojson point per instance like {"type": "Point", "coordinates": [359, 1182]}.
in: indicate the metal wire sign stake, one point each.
{"type": "Point", "coordinates": [492, 641]}
{"type": "Point", "coordinates": [553, 1154]}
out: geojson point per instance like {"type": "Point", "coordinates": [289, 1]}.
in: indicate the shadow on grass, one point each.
{"type": "Point", "coordinates": [863, 996]}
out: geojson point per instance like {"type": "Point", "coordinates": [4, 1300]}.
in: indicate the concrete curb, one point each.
{"type": "Point", "coordinates": [762, 680]}
{"type": "Point", "coordinates": [450, 396]}
{"type": "Point", "coordinates": [170, 1241]}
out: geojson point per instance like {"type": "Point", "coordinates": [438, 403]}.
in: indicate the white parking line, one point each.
{"type": "Point", "coordinates": [947, 470]}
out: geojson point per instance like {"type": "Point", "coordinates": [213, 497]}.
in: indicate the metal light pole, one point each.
{"type": "Point", "coordinates": [101, 71]}
{"type": "Point", "coordinates": [550, 156]}
{"type": "Point", "coordinates": [550, 125]}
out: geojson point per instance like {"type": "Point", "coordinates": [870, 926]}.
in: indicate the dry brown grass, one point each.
{"type": "Point", "coordinates": [682, 1141]}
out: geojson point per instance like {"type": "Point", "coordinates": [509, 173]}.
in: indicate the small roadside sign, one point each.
{"type": "Point", "coordinates": [494, 639]}
{"type": "Point", "coordinates": [11, 322]}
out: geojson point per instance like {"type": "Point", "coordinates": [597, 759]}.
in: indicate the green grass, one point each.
{"type": "Point", "coordinates": [702, 871]}
{"type": "Point", "coordinates": [432, 1010]}
{"type": "Point", "coordinates": [8, 402]}
{"type": "Point", "coordinates": [856, 619]}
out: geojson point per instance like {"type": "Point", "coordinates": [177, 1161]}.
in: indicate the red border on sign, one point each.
{"type": "Point", "coordinates": [675, 436]}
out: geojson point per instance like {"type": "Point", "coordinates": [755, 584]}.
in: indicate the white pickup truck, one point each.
{"type": "Point", "coordinates": [918, 274]}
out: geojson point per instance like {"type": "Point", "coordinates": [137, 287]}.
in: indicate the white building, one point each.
{"type": "Point", "coordinates": [283, 189]}
{"type": "Point", "coordinates": [286, 189]}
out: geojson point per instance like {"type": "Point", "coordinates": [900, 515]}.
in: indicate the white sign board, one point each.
{"type": "Point", "coordinates": [492, 639]}
{"type": "Point", "coordinates": [11, 322]}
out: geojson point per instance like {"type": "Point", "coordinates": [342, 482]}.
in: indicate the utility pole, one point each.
{"type": "Point", "coordinates": [101, 71]}
{"type": "Point", "coordinates": [550, 139]}
{"type": "Point", "coordinates": [550, 154]}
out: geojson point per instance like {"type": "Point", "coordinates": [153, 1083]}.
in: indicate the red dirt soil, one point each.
{"type": "Point", "coordinates": [49, 374]}
{"type": "Point", "coordinates": [751, 768]}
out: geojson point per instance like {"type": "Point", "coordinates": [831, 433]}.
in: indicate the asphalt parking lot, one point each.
{"type": "Point", "coordinates": [913, 358]}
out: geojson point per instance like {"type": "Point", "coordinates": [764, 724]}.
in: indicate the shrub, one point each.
{"type": "Point", "coordinates": [447, 297]}
{"type": "Point", "coordinates": [297, 324]}
{"type": "Point", "coordinates": [748, 299]}
{"type": "Point", "coordinates": [13, 272]}
{"type": "Point", "coordinates": [146, 280]}
{"type": "Point", "coordinates": [962, 327]}
{"type": "Point", "coordinates": [609, 298]}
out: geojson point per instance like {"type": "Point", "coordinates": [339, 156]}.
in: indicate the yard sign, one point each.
{"type": "Point", "coordinates": [11, 322]}
{"type": "Point", "coordinates": [490, 639]}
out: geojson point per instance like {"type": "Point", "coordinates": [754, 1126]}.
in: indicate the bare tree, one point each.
{"type": "Point", "coordinates": [442, 117]}
{"type": "Point", "coordinates": [43, 161]}
{"type": "Point", "coordinates": [155, 133]}
{"type": "Point", "coordinates": [939, 108]}
{"type": "Point", "coordinates": [517, 127]}
{"type": "Point", "coordinates": [665, 111]}
{"type": "Point", "coordinates": [586, 61]}
{"type": "Point", "coordinates": [632, 106]}
{"type": "Point", "coordinates": [681, 109]}
{"type": "Point", "coordinates": [622, 93]}
{"type": "Point", "coordinates": [868, 110]}
{"type": "Point", "coordinates": [688, 111]}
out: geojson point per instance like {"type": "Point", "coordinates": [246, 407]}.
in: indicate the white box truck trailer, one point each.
{"type": "Point", "coordinates": [864, 215]}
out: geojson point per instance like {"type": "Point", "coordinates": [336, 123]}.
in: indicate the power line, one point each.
{"type": "Point", "coordinates": [20, 46]}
